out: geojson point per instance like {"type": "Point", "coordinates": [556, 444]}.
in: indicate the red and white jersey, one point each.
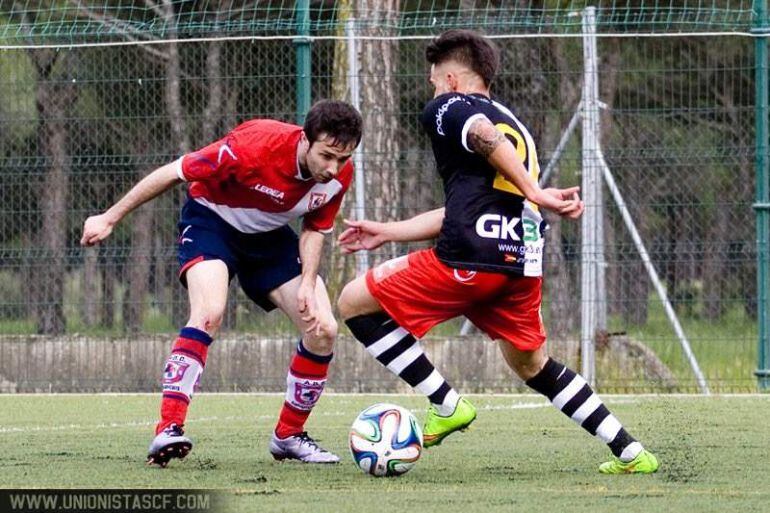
{"type": "Point", "coordinates": [251, 179]}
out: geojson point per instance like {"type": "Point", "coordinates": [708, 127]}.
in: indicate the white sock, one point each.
{"type": "Point", "coordinates": [447, 407]}
{"type": "Point", "coordinates": [631, 452]}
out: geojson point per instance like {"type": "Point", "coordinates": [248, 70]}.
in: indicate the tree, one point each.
{"type": "Point", "coordinates": [53, 97]}
{"type": "Point", "coordinates": [560, 284]}
{"type": "Point", "coordinates": [140, 258]}
{"type": "Point", "coordinates": [379, 93]}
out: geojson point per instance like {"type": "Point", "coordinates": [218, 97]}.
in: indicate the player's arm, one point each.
{"type": "Point", "coordinates": [490, 143]}
{"type": "Point", "coordinates": [97, 228]}
{"type": "Point", "coordinates": [365, 234]}
{"type": "Point", "coordinates": [310, 247]}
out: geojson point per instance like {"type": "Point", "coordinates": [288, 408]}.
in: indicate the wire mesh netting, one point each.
{"type": "Point", "coordinates": [79, 126]}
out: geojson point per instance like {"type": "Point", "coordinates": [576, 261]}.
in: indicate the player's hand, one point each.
{"type": "Point", "coordinates": [307, 307]}
{"type": "Point", "coordinates": [362, 235]}
{"type": "Point", "coordinates": [567, 202]}
{"type": "Point", "coordinates": [96, 229]}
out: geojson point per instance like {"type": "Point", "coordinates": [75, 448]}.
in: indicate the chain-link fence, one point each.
{"type": "Point", "coordinates": [82, 121]}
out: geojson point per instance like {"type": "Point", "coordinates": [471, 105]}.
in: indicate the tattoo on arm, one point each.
{"type": "Point", "coordinates": [484, 138]}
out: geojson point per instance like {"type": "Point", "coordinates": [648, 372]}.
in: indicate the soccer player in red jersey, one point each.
{"type": "Point", "coordinates": [243, 191]}
{"type": "Point", "coordinates": [487, 263]}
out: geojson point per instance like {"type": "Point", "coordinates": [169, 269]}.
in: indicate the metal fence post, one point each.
{"type": "Point", "coordinates": [362, 257]}
{"type": "Point", "coordinates": [303, 52]}
{"type": "Point", "coordinates": [762, 193]}
{"type": "Point", "coordinates": [592, 245]}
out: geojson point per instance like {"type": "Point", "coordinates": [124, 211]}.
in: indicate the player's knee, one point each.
{"type": "Point", "coordinates": [328, 332]}
{"type": "Point", "coordinates": [345, 304]}
{"type": "Point", "coordinates": [323, 341]}
{"type": "Point", "coordinates": [330, 327]}
{"type": "Point", "coordinates": [527, 368]}
{"type": "Point", "coordinates": [210, 322]}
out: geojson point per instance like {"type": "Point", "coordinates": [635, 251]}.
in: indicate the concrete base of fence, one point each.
{"type": "Point", "coordinates": [236, 363]}
{"type": "Point", "coordinates": [250, 363]}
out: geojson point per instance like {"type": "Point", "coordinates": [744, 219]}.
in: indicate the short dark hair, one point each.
{"type": "Point", "coordinates": [468, 48]}
{"type": "Point", "coordinates": [338, 120]}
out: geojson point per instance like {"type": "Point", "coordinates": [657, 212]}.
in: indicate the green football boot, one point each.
{"type": "Point", "coordinates": [437, 427]}
{"type": "Point", "coordinates": [644, 463]}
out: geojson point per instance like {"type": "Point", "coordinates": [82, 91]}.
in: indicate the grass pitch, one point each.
{"type": "Point", "coordinates": [520, 455]}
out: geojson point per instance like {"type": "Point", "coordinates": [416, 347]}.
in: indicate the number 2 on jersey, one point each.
{"type": "Point", "coordinates": [523, 151]}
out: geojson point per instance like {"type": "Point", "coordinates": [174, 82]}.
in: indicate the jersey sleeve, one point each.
{"type": "Point", "coordinates": [322, 219]}
{"type": "Point", "coordinates": [211, 162]}
{"type": "Point", "coordinates": [449, 117]}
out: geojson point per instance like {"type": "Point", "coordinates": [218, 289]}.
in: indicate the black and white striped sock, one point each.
{"type": "Point", "coordinates": [397, 349]}
{"type": "Point", "coordinates": [571, 394]}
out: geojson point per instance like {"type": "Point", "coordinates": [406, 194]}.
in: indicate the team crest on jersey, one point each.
{"type": "Point", "coordinates": [174, 371]}
{"type": "Point", "coordinates": [317, 199]}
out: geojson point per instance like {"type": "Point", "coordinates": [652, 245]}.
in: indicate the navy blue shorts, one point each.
{"type": "Point", "coordinates": [262, 261]}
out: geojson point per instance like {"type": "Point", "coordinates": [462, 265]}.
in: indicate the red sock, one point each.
{"type": "Point", "coordinates": [181, 375]}
{"type": "Point", "coordinates": [304, 385]}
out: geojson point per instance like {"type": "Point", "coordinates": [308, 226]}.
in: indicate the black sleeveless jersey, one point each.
{"type": "Point", "coordinates": [488, 225]}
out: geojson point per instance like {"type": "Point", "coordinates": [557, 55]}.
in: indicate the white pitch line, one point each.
{"type": "Point", "coordinates": [531, 406]}
{"type": "Point", "coordinates": [148, 423]}
{"type": "Point", "coordinates": [112, 425]}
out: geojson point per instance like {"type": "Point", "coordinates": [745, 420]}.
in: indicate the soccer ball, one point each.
{"type": "Point", "coordinates": [385, 440]}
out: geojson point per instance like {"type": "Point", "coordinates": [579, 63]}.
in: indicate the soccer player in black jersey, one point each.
{"type": "Point", "coordinates": [487, 263]}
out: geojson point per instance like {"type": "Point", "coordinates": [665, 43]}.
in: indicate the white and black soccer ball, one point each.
{"type": "Point", "coordinates": [385, 440]}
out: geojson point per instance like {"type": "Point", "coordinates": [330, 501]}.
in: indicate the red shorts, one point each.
{"type": "Point", "coordinates": [419, 291]}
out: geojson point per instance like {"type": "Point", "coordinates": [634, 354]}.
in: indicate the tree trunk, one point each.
{"type": "Point", "coordinates": [212, 114]}
{"type": "Point", "coordinates": [139, 263]}
{"type": "Point", "coordinates": [180, 138]}
{"type": "Point", "coordinates": [142, 239]}
{"type": "Point", "coordinates": [28, 275]}
{"type": "Point", "coordinates": [562, 305]}
{"type": "Point", "coordinates": [634, 290]}
{"type": "Point", "coordinates": [340, 67]}
{"type": "Point", "coordinates": [213, 117]}
{"type": "Point", "coordinates": [107, 314]}
{"type": "Point", "coordinates": [716, 266]}
{"type": "Point", "coordinates": [91, 287]}
{"type": "Point", "coordinates": [632, 282]}
{"type": "Point", "coordinates": [174, 100]}
{"type": "Point", "coordinates": [337, 268]}
{"type": "Point", "coordinates": [145, 223]}
{"type": "Point", "coordinates": [379, 104]}
{"type": "Point", "coordinates": [609, 66]}
{"type": "Point", "coordinates": [53, 101]}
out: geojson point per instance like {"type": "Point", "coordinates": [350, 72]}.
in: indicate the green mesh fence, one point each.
{"type": "Point", "coordinates": [79, 126]}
